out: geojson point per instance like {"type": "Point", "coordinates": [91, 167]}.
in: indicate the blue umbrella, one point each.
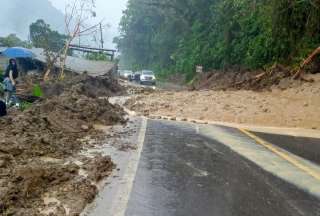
{"type": "Point", "coordinates": [18, 52]}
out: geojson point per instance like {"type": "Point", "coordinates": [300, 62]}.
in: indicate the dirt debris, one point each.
{"type": "Point", "coordinates": [293, 107]}
{"type": "Point", "coordinates": [99, 167]}
{"type": "Point", "coordinates": [84, 84]}
{"type": "Point", "coordinates": [28, 186]}
{"type": "Point", "coordinates": [54, 125]}
{"type": "Point", "coordinates": [38, 147]}
{"type": "Point", "coordinates": [240, 79]}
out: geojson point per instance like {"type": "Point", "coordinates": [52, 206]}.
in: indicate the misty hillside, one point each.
{"type": "Point", "coordinates": [17, 15]}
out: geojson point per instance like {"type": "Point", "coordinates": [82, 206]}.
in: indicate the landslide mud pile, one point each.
{"type": "Point", "coordinates": [85, 85]}
{"type": "Point", "coordinates": [41, 169]}
{"type": "Point", "coordinates": [237, 79]}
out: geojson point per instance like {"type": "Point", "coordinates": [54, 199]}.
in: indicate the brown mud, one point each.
{"type": "Point", "coordinates": [42, 171]}
{"type": "Point", "coordinates": [238, 79]}
{"type": "Point", "coordinates": [83, 84]}
{"type": "Point", "coordinates": [291, 103]}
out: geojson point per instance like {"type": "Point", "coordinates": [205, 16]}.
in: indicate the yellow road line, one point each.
{"type": "Point", "coordinates": [282, 154]}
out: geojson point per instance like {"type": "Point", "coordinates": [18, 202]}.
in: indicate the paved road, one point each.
{"type": "Point", "coordinates": [186, 169]}
{"type": "Point", "coordinates": [305, 147]}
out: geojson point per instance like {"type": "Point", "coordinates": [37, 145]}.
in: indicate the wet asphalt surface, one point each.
{"type": "Point", "coordinates": [308, 148]}
{"type": "Point", "coordinates": [182, 173]}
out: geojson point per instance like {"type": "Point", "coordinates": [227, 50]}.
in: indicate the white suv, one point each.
{"type": "Point", "coordinates": [147, 77]}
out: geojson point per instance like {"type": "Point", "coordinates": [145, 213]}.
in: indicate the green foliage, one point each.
{"type": "Point", "coordinates": [1, 88]}
{"type": "Point", "coordinates": [97, 57]}
{"type": "Point", "coordinates": [37, 91]}
{"type": "Point", "coordinates": [42, 36]}
{"type": "Point", "coordinates": [1, 76]}
{"type": "Point", "coordinates": [25, 105]}
{"type": "Point", "coordinates": [13, 41]}
{"type": "Point", "coordinates": [176, 35]}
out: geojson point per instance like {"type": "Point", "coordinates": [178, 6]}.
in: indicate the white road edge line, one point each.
{"type": "Point", "coordinates": [121, 200]}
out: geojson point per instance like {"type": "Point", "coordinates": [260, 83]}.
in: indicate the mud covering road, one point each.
{"type": "Point", "coordinates": [182, 172]}
{"type": "Point", "coordinates": [296, 107]}
{"type": "Point", "coordinates": [46, 167]}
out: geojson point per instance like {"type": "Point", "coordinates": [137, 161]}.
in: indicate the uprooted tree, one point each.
{"type": "Point", "coordinates": [51, 41]}
{"type": "Point", "coordinates": [77, 15]}
{"type": "Point", "coordinates": [305, 62]}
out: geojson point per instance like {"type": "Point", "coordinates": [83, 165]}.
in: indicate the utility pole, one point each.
{"type": "Point", "coordinates": [101, 35]}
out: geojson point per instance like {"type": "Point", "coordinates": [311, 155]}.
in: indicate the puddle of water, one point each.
{"type": "Point", "coordinates": [51, 200]}
{"type": "Point", "coordinates": [51, 160]}
{"type": "Point", "coordinates": [110, 186]}
{"type": "Point", "coordinates": [52, 204]}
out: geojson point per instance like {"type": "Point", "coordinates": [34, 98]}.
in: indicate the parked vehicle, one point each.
{"type": "Point", "coordinates": [127, 74]}
{"type": "Point", "coordinates": [136, 76]}
{"type": "Point", "coordinates": [147, 78]}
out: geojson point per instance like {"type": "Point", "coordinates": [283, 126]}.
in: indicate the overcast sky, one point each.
{"type": "Point", "coordinates": [109, 10]}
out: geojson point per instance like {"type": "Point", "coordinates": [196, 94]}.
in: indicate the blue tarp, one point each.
{"type": "Point", "coordinates": [18, 52]}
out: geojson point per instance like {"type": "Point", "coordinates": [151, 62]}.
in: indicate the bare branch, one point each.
{"type": "Point", "coordinates": [81, 11]}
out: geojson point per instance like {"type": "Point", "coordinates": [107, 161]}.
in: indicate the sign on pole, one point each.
{"type": "Point", "coordinates": [199, 69]}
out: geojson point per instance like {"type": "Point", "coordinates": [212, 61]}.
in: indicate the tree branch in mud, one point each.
{"type": "Point", "coordinates": [77, 13]}
{"type": "Point", "coordinates": [307, 61]}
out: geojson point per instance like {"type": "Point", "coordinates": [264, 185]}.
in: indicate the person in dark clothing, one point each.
{"type": "Point", "coordinates": [9, 82]}
{"type": "Point", "coordinates": [3, 109]}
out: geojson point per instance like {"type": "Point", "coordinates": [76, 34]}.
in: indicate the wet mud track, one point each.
{"type": "Point", "coordinates": [182, 172]}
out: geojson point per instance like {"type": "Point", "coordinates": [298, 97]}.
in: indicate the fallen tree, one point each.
{"type": "Point", "coordinates": [308, 60]}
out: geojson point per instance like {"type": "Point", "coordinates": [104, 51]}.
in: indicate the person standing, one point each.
{"type": "Point", "coordinates": [10, 78]}
{"type": "Point", "coordinates": [3, 108]}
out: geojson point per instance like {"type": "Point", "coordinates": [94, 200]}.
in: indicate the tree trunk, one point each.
{"type": "Point", "coordinates": [310, 57]}
{"type": "Point", "coordinates": [299, 73]}
{"type": "Point", "coordinates": [46, 75]}
{"type": "Point", "coordinates": [50, 64]}
{"type": "Point", "coordinates": [63, 60]}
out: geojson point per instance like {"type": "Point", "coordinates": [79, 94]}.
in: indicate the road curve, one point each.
{"type": "Point", "coordinates": [190, 169]}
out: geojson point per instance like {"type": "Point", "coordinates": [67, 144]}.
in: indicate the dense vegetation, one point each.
{"type": "Point", "coordinates": [176, 35]}
{"type": "Point", "coordinates": [42, 36]}
{"type": "Point", "coordinates": [13, 41]}
{"type": "Point", "coordinates": [97, 57]}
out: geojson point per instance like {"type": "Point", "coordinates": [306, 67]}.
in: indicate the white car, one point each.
{"type": "Point", "coordinates": [127, 74]}
{"type": "Point", "coordinates": [147, 77]}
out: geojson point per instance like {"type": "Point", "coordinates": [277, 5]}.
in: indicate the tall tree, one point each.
{"type": "Point", "coordinates": [52, 42]}
{"type": "Point", "coordinates": [77, 14]}
{"type": "Point", "coordinates": [176, 35]}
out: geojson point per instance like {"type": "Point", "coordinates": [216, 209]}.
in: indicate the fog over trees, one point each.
{"type": "Point", "coordinates": [17, 15]}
